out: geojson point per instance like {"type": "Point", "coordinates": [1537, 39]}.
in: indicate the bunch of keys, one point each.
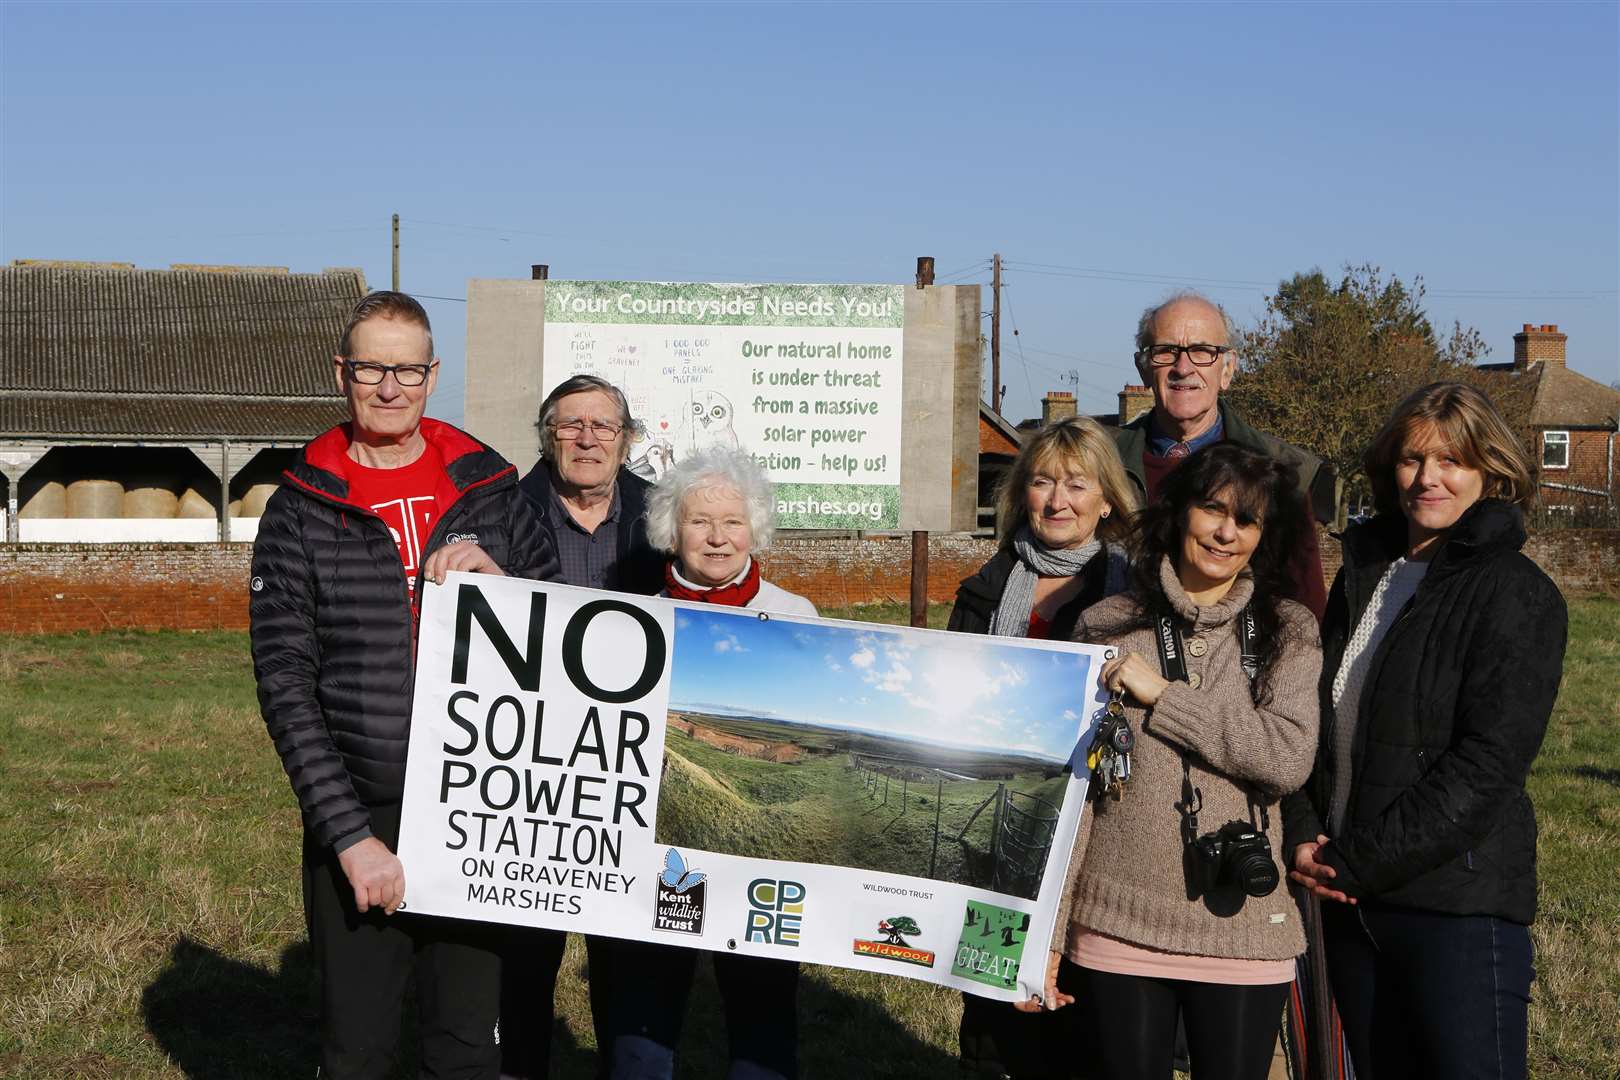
{"type": "Point", "coordinates": [1110, 756]}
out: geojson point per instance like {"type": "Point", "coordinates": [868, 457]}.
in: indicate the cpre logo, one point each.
{"type": "Point", "coordinates": [775, 912]}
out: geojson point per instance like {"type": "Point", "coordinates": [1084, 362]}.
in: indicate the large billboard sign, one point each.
{"type": "Point", "coordinates": [806, 378]}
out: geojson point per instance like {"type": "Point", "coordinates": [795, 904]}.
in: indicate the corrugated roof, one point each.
{"type": "Point", "coordinates": [247, 349]}
{"type": "Point", "coordinates": [187, 416]}
{"type": "Point", "coordinates": [1568, 398]}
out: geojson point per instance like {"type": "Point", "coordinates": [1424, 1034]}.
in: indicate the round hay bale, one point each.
{"type": "Point", "coordinates": [150, 501]}
{"type": "Point", "coordinates": [50, 501]}
{"type": "Point", "coordinates": [95, 499]}
{"type": "Point", "coordinates": [194, 505]}
{"type": "Point", "coordinates": [235, 508]}
{"type": "Point", "coordinates": [254, 498]}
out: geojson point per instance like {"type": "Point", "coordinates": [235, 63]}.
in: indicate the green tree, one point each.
{"type": "Point", "coordinates": [892, 928]}
{"type": "Point", "coordinates": [1327, 361]}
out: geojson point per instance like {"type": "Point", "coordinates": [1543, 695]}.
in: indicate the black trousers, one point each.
{"type": "Point", "coordinates": [365, 963]}
{"type": "Point", "coordinates": [1421, 994]}
{"type": "Point", "coordinates": [652, 984]}
{"type": "Point", "coordinates": [530, 958]}
{"type": "Point", "coordinates": [1125, 1025]}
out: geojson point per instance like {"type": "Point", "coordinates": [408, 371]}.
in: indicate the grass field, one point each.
{"type": "Point", "coordinates": [819, 810]}
{"type": "Point", "coordinates": [150, 922]}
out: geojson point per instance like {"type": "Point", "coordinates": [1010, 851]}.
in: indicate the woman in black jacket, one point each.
{"type": "Point", "coordinates": [1062, 511]}
{"type": "Point", "coordinates": [1443, 647]}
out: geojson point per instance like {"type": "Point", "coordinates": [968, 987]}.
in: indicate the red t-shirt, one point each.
{"type": "Point", "coordinates": [407, 500]}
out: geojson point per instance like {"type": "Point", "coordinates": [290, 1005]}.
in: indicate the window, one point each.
{"type": "Point", "coordinates": [1555, 449]}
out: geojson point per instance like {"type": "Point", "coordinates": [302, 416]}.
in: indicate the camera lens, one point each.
{"type": "Point", "coordinates": [1252, 868]}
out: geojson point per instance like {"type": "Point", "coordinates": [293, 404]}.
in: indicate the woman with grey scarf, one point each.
{"type": "Point", "coordinates": [1062, 511]}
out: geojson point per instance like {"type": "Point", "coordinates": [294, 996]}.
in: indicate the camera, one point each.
{"type": "Point", "coordinates": [1234, 855]}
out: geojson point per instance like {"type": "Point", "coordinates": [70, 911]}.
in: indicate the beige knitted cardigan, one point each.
{"type": "Point", "coordinates": [1125, 876]}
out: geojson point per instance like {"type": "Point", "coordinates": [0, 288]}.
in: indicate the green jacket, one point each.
{"type": "Point", "coordinates": [1315, 475]}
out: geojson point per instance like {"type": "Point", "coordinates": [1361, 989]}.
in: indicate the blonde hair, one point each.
{"type": "Point", "coordinates": [1077, 444]}
{"type": "Point", "coordinates": [1470, 426]}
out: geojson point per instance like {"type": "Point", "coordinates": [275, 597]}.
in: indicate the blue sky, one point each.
{"type": "Point", "coordinates": [975, 692]}
{"type": "Point", "coordinates": [1109, 152]}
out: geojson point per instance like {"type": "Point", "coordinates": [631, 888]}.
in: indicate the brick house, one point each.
{"type": "Point", "coordinates": [1574, 419]}
{"type": "Point", "coordinates": [159, 405]}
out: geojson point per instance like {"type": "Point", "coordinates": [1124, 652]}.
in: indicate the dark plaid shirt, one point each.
{"type": "Point", "coordinates": [586, 557]}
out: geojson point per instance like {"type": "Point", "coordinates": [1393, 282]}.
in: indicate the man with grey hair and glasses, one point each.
{"type": "Point", "coordinates": [367, 514]}
{"type": "Point", "coordinates": [1184, 354]}
{"type": "Point", "coordinates": [594, 509]}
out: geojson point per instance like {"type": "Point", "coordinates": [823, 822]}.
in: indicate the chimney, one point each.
{"type": "Point", "coordinates": [1538, 344]}
{"type": "Point", "coordinates": [1133, 402]}
{"type": "Point", "coordinates": [1057, 405]}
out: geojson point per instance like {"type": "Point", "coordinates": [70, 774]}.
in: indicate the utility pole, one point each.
{"type": "Point", "coordinates": [396, 253]}
{"type": "Point", "coordinates": [995, 333]}
{"type": "Point", "coordinates": [919, 539]}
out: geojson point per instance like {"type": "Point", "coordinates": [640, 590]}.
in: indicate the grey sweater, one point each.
{"type": "Point", "coordinates": [1125, 877]}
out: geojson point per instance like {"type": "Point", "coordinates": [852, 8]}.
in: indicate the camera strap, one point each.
{"type": "Point", "coordinates": [1173, 665]}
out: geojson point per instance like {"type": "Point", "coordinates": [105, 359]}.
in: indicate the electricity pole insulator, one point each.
{"type": "Point", "coordinates": [396, 253]}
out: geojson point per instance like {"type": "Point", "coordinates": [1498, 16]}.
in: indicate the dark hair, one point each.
{"type": "Point", "coordinates": [1256, 487]}
{"type": "Point", "coordinates": [383, 304]}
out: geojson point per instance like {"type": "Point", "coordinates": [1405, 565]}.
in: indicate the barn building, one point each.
{"type": "Point", "coordinates": [159, 405]}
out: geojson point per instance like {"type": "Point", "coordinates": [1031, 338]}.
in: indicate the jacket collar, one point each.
{"type": "Point", "coordinates": [1487, 528]}
{"type": "Point", "coordinates": [322, 467]}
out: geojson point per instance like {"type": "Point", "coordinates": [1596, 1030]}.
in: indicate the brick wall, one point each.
{"type": "Point", "coordinates": [1589, 467]}
{"type": "Point", "coordinates": [50, 588]}
{"type": "Point", "coordinates": [54, 588]}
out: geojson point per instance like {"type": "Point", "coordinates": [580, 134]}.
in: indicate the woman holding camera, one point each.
{"type": "Point", "coordinates": [1444, 649]}
{"type": "Point", "coordinates": [1063, 512]}
{"type": "Point", "coordinates": [1172, 905]}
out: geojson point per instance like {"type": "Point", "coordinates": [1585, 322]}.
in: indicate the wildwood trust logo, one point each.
{"type": "Point", "coordinates": [991, 945]}
{"type": "Point", "coordinates": [893, 946]}
{"type": "Point", "coordinates": [682, 895]}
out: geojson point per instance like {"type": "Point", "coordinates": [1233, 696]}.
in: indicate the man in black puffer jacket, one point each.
{"type": "Point", "coordinates": [372, 509]}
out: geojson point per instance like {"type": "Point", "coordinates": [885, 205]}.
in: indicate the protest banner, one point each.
{"type": "Point", "coordinates": [807, 378]}
{"type": "Point", "coordinates": [855, 794]}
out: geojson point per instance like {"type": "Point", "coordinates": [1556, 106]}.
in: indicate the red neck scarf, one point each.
{"type": "Point", "coordinates": [737, 594]}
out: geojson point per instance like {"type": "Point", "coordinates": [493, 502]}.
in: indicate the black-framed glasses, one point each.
{"type": "Point", "coordinates": [573, 427]}
{"type": "Point", "coordinates": [1199, 353]}
{"type": "Point", "coordinates": [369, 373]}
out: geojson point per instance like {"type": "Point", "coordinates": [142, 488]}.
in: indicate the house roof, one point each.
{"type": "Point", "coordinates": [108, 350]}
{"type": "Point", "coordinates": [1566, 398]}
{"type": "Point", "coordinates": [1000, 423]}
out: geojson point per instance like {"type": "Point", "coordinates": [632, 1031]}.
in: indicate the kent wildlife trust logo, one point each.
{"type": "Point", "coordinates": [682, 895]}
{"type": "Point", "coordinates": [991, 945]}
{"type": "Point", "coordinates": [894, 946]}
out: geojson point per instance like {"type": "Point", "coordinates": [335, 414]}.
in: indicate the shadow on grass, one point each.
{"type": "Point", "coordinates": [220, 1018]}
{"type": "Point", "coordinates": [1593, 772]}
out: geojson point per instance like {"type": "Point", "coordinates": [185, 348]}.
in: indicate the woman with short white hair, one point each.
{"type": "Point", "coordinates": [713, 512]}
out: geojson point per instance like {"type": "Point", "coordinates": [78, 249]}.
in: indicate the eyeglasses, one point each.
{"type": "Point", "coordinates": [1166, 355]}
{"type": "Point", "coordinates": [367, 373]}
{"type": "Point", "coordinates": [573, 427]}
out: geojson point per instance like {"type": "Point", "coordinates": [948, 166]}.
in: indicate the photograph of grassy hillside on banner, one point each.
{"type": "Point", "coordinates": [911, 752]}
